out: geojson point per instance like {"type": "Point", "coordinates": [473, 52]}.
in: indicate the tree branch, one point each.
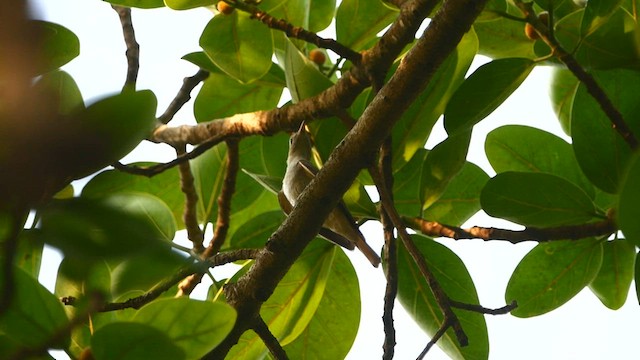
{"type": "Point", "coordinates": [133, 48]}
{"type": "Point", "coordinates": [483, 310]}
{"type": "Point", "coordinates": [569, 232]}
{"type": "Point", "coordinates": [183, 96]}
{"type": "Point", "coordinates": [276, 350]}
{"type": "Point", "coordinates": [190, 214]}
{"type": "Point", "coordinates": [578, 71]}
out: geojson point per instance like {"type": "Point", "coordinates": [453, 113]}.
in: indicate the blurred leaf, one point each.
{"type": "Point", "coordinates": [461, 198]}
{"type": "Point", "coordinates": [59, 45]}
{"type": "Point", "coordinates": [561, 8]}
{"type": "Point", "coordinates": [187, 4]}
{"type": "Point", "coordinates": [133, 341]}
{"type": "Point", "coordinates": [627, 214]}
{"type": "Point", "coordinates": [29, 253]}
{"type": "Point", "coordinates": [35, 315]}
{"type": "Point", "coordinates": [176, 318]}
{"type": "Point", "coordinates": [240, 46]}
{"type": "Point", "coordinates": [536, 199]}
{"type": "Point", "coordinates": [359, 21]}
{"type": "Point", "coordinates": [551, 274]}
{"type": "Point", "coordinates": [64, 90]}
{"type": "Point", "coordinates": [149, 207]}
{"type": "Point", "coordinates": [67, 193]}
{"type": "Point", "coordinates": [333, 328]}
{"type": "Point", "coordinates": [442, 164]}
{"type": "Point", "coordinates": [144, 272]}
{"type": "Point", "coordinates": [596, 13]}
{"type": "Point", "coordinates": [527, 149]}
{"type": "Point", "coordinates": [418, 300]}
{"type": "Point", "coordinates": [613, 281]}
{"type": "Point", "coordinates": [293, 304]}
{"type": "Point", "coordinates": [483, 91]}
{"type": "Point", "coordinates": [492, 10]}
{"type": "Point", "coordinates": [601, 152]}
{"type": "Point", "coordinates": [142, 4]}
{"type": "Point", "coordinates": [321, 13]}
{"type": "Point", "coordinates": [563, 90]}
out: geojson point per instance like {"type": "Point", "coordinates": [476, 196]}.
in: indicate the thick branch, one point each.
{"type": "Point", "coordinates": [190, 213]}
{"type": "Point", "coordinates": [276, 350]}
{"type": "Point", "coordinates": [133, 48]}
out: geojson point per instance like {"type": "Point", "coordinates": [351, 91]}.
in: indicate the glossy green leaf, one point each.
{"type": "Point", "coordinates": [142, 4]}
{"type": "Point", "coordinates": [255, 232]}
{"type": "Point", "coordinates": [293, 304]}
{"type": "Point", "coordinates": [527, 149]}
{"type": "Point", "coordinates": [359, 21]}
{"type": "Point", "coordinates": [536, 199]}
{"type": "Point", "coordinates": [442, 164]}
{"type": "Point", "coordinates": [563, 90]}
{"type": "Point", "coordinates": [133, 341]}
{"type": "Point", "coordinates": [483, 91]}
{"type": "Point", "coordinates": [149, 207]}
{"type": "Point", "coordinates": [504, 38]}
{"type": "Point", "coordinates": [222, 96]}
{"type": "Point", "coordinates": [187, 4]}
{"type": "Point", "coordinates": [144, 272]}
{"type": "Point", "coordinates": [613, 281]}
{"type": "Point", "coordinates": [551, 274]}
{"type": "Point", "coordinates": [414, 127]}
{"type": "Point", "coordinates": [333, 328]}
{"type": "Point", "coordinates": [244, 51]}
{"type": "Point", "coordinates": [194, 326]}
{"type": "Point", "coordinates": [461, 199]}
{"type": "Point", "coordinates": [35, 315]}
{"type": "Point", "coordinates": [59, 45]}
{"type": "Point", "coordinates": [64, 91]}
{"type": "Point", "coordinates": [321, 13]}
{"type": "Point", "coordinates": [416, 297]}
{"type": "Point", "coordinates": [596, 14]}
{"type": "Point", "coordinates": [303, 77]}
{"type": "Point", "coordinates": [273, 78]}
{"type": "Point", "coordinates": [601, 152]}
{"type": "Point", "coordinates": [406, 185]}
{"type": "Point", "coordinates": [627, 214]}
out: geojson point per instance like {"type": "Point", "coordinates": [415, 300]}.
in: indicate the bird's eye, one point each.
{"type": "Point", "coordinates": [290, 141]}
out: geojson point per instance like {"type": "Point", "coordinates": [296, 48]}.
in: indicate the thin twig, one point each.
{"type": "Point", "coordinates": [272, 343]}
{"type": "Point", "coordinates": [569, 232]}
{"type": "Point", "coordinates": [133, 48]}
{"type": "Point", "coordinates": [579, 72]}
{"type": "Point", "coordinates": [190, 214]}
{"type": "Point", "coordinates": [443, 328]}
{"type": "Point", "coordinates": [483, 310]}
{"type": "Point", "coordinates": [183, 96]}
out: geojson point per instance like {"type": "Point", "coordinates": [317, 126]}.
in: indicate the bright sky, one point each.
{"type": "Point", "coordinates": [582, 329]}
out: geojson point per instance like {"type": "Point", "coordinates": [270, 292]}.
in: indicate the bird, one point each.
{"type": "Point", "coordinates": [340, 227]}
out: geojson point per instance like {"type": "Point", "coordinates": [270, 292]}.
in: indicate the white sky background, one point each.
{"type": "Point", "coordinates": [582, 329]}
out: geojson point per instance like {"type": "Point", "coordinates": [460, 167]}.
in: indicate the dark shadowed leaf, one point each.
{"type": "Point", "coordinates": [133, 341]}
{"type": "Point", "coordinates": [596, 14]}
{"type": "Point", "coordinates": [551, 274]}
{"type": "Point", "coordinates": [629, 200]}
{"type": "Point", "coordinates": [613, 281]}
{"type": "Point", "coordinates": [359, 21]}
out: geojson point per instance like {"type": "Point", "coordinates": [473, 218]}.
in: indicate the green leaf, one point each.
{"type": "Point", "coordinates": [294, 302]}
{"type": "Point", "coordinates": [59, 45]}
{"type": "Point", "coordinates": [561, 8]}
{"type": "Point", "coordinates": [551, 274]}
{"type": "Point", "coordinates": [194, 326]}
{"type": "Point", "coordinates": [414, 127]}
{"type": "Point", "coordinates": [563, 90]}
{"type": "Point", "coordinates": [613, 281]}
{"type": "Point", "coordinates": [142, 4]}
{"type": "Point", "coordinates": [148, 207]}
{"type": "Point", "coordinates": [321, 14]}
{"type": "Point", "coordinates": [596, 14]}
{"type": "Point", "coordinates": [132, 341]}
{"type": "Point", "coordinates": [222, 96]}
{"type": "Point", "coordinates": [483, 91]}
{"type": "Point", "coordinates": [144, 272]}
{"type": "Point", "coordinates": [304, 80]}
{"type": "Point", "coordinates": [239, 45]}
{"type": "Point", "coordinates": [333, 328]}
{"type": "Point", "coordinates": [442, 164]}
{"type": "Point", "coordinates": [416, 297]}
{"type": "Point", "coordinates": [536, 199]}
{"type": "Point", "coordinates": [461, 199]}
{"type": "Point", "coordinates": [63, 89]}
{"type": "Point", "coordinates": [274, 78]}
{"type": "Point", "coordinates": [527, 149]}
{"type": "Point", "coordinates": [406, 185]}
{"type": "Point", "coordinates": [504, 38]}
{"type": "Point", "coordinates": [35, 315]}
{"type": "Point", "coordinates": [255, 232]}
{"type": "Point", "coordinates": [359, 21]}
{"type": "Point", "coordinates": [187, 4]}
{"type": "Point", "coordinates": [29, 253]}
{"type": "Point", "coordinates": [627, 214]}
{"type": "Point", "coordinates": [601, 152]}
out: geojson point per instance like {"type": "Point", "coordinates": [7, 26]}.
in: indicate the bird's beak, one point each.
{"type": "Point", "coordinates": [301, 129]}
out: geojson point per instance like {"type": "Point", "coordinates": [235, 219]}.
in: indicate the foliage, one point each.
{"type": "Point", "coordinates": [117, 236]}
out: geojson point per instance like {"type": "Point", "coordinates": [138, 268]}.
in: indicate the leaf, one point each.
{"type": "Point", "coordinates": [483, 91]}
{"type": "Point", "coordinates": [194, 326]}
{"type": "Point", "coordinates": [142, 4]}
{"type": "Point", "coordinates": [63, 89]}
{"type": "Point", "coordinates": [600, 150]}
{"type": "Point", "coordinates": [132, 341]}
{"type": "Point", "coordinates": [613, 281]}
{"type": "Point", "coordinates": [327, 335]}
{"type": "Point", "coordinates": [527, 149]}
{"type": "Point", "coordinates": [186, 4]}
{"type": "Point", "coordinates": [293, 304]}
{"type": "Point", "coordinates": [255, 232]}
{"type": "Point", "coordinates": [563, 90]}
{"type": "Point", "coordinates": [149, 207]}
{"type": "Point", "coordinates": [551, 274]}
{"type": "Point", "coordinates": [503, 38]}
{"type": "Point", "coordinates": [34, 315]}
{"type": "Point", "coordinates": [406, 185]}
{"type": "Point", "coordinates": [417, 299]}
{"type": "Point", "coordinates": [59, 45]}
{"type": "Point", "coordinates": [536, 199]}
{"type": "Point", "coordinates": [29, 253]}
{"type": "Point", "coordinates": [321, 14]}
{"type": "Point", "coordinates": [596, 14]}
{"type": "Point", "coordinates": [304, 80]}
{"type": "Point", "coordinates": [359, 21]}
{"type": "Point", "coordinates": [240, 46]}
{"type": "Point", "coordinates": [627, 213]}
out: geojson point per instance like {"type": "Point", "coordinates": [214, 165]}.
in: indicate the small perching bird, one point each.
{"type": "Point", "coordinates": [340, 226]}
